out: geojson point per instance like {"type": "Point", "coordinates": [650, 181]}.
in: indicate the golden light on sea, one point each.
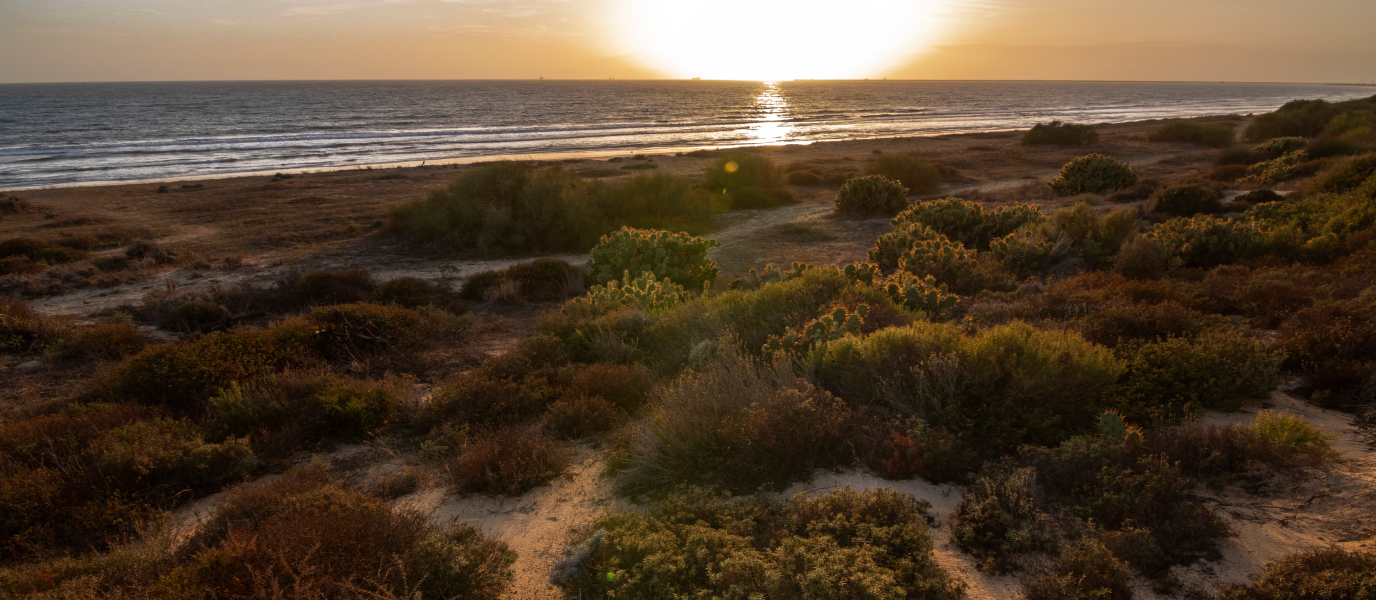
{"type": "Point", "coordinates": [774, 40]}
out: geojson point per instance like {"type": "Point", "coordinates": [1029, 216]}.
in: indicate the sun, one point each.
{"type": "Point", "coordinates": [774, 40]}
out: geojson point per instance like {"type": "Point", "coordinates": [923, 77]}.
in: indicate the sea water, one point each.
{"type": "Point", "coordinates": [72, 134]}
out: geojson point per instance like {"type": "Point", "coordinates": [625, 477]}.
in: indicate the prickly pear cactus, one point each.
{"type": "Point", "coordinates": [825, 329]}
{"type": "Point", "coordinates": [1115, 429]}
{"type": "Point", "coordinates": [923, 294]}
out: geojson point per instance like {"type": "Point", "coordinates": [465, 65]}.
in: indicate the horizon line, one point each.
{"type": "Point", "coordinates": [666, 79]}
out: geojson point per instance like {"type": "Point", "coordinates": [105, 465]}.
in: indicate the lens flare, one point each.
{"type": "Point", "coordinates": [774, 40]}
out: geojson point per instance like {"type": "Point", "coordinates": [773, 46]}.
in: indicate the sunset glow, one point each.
{"type": "Point", "coordinates": [767, 40]}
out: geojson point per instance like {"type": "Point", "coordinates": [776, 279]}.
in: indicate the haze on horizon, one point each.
{"type": "Point", "coordinates": [1173, 40]}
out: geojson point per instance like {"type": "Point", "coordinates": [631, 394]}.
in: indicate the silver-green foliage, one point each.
{"type": "Point", "coordinates": [643, 292]}
{"type": "Point", "coordinates": [678, 257]}
{"type": "Point", "coordinates": [1093, 174]}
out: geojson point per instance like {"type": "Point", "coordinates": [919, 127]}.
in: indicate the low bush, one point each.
{"type": "Point", "coordinates": [1004, 386]}
{"type": "Point", "coordinates": [194, 315]}
{"type": "Point", "coordinates": [541, 280]}
{"type": "Point", "coordinates": [184, 375]}
{"type": "Point", "coordinates": [1094, 238]}
{"type": "Point", "coordinates": [299, 410]}
{"type": "Point", "coordinates": [910, 170]}
{"type": "Point", "coordinates": [1332, 344]}
{"type": "Point", "coordinates": [679, 257]}
{"type": "Point", "coordinates": [105, 341]}
{"type": "Point", "coordinates": [14, 205]}
{"type": "Point", "coordinates": [1060, 134]}
{"type": "Point", "coordinates": [1239, 157]}
{"type": "Point", "coordinates": [1331, 574]}
{"type": "Point", "coordinates": [1280, 146]}
{"type": "Point", "coordinates": [1287, 166]}
{"type": "Point", "coordinates": [410, 292]}
{"type": "Point", "coordinates": [1128, 321]}
{"type": "Point", "coordinates": [509, 461]}
{"type": "Point", "coordinates": [841, 544]}
{"type": "Point", "coordinates": [1213, 135]}
{"type": "Point", "coordinates": [1093, 174]}
{"type": "Point", "coordinates": [1223, 453]}
{"type": "Point", "coordinates": [39, 252]}
{"type": "Point", "coordinates": [1135, 193]}
{"type": "Point", "coordinates": [1217, 369]}
{"type": "Point", "coordinates": [1226, 173]}
{"type": "Point", "coordinates": [308, 535]}
{"type": "Point", "coordinates": [1332, 148]}
{"type": "Point", "coordinates": [999, 518]}
{"type": "Point", "coordinates": [1086, 570]}
{"type": "Point", "coordinates": [24, 331]}
{"type": "Point", "coordinates": [1296, 118]}
{"type": "Point", "coordinates": [644, 292]}
{"type": "Point", "coordinates": [1205, 241]}
{"type": "Point", "coordinates": [962, 221]}
{"type": "Point", "coordinates": [624, 386]}
{"type": "Point", "coordinates": [504, 390]}
{"type": "Point", "coordinates": [749, 181]}
{"type": "Point", "coordinates": [871, 194]}
{"type": "Point", "coordinates": [1349, 175]}
{"type": "Point", "coordinates": [1187, 200]}
{"type": "Point", "coordinates": [1141, 257]}
{"type": "Point", "coordinates": [317, 288]}
{"type": "Point", "coordinates": [78, 479]}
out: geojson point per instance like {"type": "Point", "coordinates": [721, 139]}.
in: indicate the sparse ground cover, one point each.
{"type": "Point", "coordinates": [1051, 349]}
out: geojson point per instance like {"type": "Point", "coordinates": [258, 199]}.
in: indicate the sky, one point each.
{"type": "Point", "coordinates": [1164, 40]}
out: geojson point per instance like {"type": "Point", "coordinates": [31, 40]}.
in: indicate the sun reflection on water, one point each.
{"type": "Point", "coordinates": [772, 125]}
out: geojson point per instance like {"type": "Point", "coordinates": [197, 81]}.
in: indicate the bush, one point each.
{"type": "Point", "coordinates": [332, 287]}
{"type": "Point", "coordinates": [298, 410]}
{"type": "Point", "coordinates": [749, 181]}
{"type": "Point", "coordinates": [1094, 238]}
{"type": "Point", "coordinates": [1280, 146]}
{"type": "Point", "coordinates": [410, 292]}
{"type": "Point", "coordinates": [679, 257]}
{"type": "Point", "coordinates": [1217, 369]}
{"type": "Point", "coordinates": [1128, 321]}
{"type": "Point", "coordinates": [184, 375]}
{"type": "Point", "coordinates": [509, 461]}
{"type": "Point", "coordinates": [965, 222]}
{"type": "Point", "coordinates": [23, 331]}
{"type": "Point", "coordinates": [541, 280]}
{"type": "Point", "coordinates": [1187, 200]}
{"type": "Point", "coordinates": [1349, 175]}
{"type": "Point", "coordinates": [78, 479]}
{"type": "Point", "coordinates": [1331, 148]}
{"type": "Point", "coordinates": [1060, 134]}
{"type": "Point", "coordinates": [1227, 173]}
{"type": "Point", "coordinates": [105, 341]}
{"type": "Point", "coordinates": [1141, 257]}
{"type": "Point", "coordinates": [388, 334]}
{"type": "Point", "coordinates": [1205, 241]}
{"type": "Point", "coordinates": [1093, 174]}
{"type": "Point", "coordinates": [1239, 157]}
{"type": "Point", "coordinates": [999, 518]}
{"type": "Point", "coordinates": [193, 315]}
{"type": "Point", "coordinates": [1302, 118]}
{"type": "Point", "coordinates": [39, 252]}
{"type": "Point", "coordinates": [844, 544]}
{"type": "Point", "coordinates": [871, 194]}
{"type": "Point", "coordinates": [1288, 166]}
{"type": "Point", "coordinates": [910, 170]}
{"type": "Point", "coordinates": [504, 390]}
{"type": "Point", "coordinates": [1331, 574]}
{"type": "Point", "coordinates": [1004, 386]}
{"type": "Point", "coordinates": [643, 292]}
{"type": "Point", "coordinates": [1213, 135]}
{"type": "Point", "coordinates": [1086, 570]}
{"type": "Point", "coordinates": [306, 534]}
{"type": "Point", "coordinates": [1332, 344]}
{"type": "Point", "coordinates": [625, 387]}
{"type": "Point", "coordinates": [14, 205]}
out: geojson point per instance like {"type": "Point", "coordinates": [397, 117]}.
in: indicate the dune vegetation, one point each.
{"type": "Point", "coordinates": [1055, 365]}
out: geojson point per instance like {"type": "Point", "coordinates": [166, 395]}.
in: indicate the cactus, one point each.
{"type": "Point", "coordinates": [824, 329]}
{"type": "Point", "coordinates": [1204, 240]}
{"type": "Point", "coordinates": [922, 294]}
{"type": "Point", "coordinates": [1276, 169]}
{"type": "Point", "coordinates": [1116, 430]}
{"type": "Point", "coordinates": [865, 273]}
{"type": "Point", "coordinates": [940, 254]}
{"type": "Point", "coordinates": [644, 292]}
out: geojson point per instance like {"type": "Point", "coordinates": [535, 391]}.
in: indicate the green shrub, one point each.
{"type": "Point", "coordinates": [1060, 134]}
{"type": "Point", "coordinates": [1093, 174]}
{"type": "Point", "coordinates": [843, 544]}
{"type": "Point", "coordinates": [1239, 157]}
{"type": "Point", "coordinates": [509, 461]}
{"type": "Point", "coordinates": [1005, 386]}
{"type": "Point", "coordinates": [967, 222]}
{"type": "Point", "coordinates": [332, 287]}
{"type": "Point", "coordinates": [1187, 200]}
{"type": "Point", "coordinates": [871, 194]}
{"type": "Point", "coordinates": [1280, 146]}
{"type": "Point", "coordinates": [678, 257]}
{"type": "Point", "coordinates": [78, 479]}
{"type": "Point", "coordinates": [1141, 257]}
{"type": "Point", "coordinates": [307, 534]}
{"type": "Point", "coordinates": [1303, 118]}
{"type": "Point", "coordinates": [410, 292]}
{"type": "Point", "coordinates": [1128, 321]}
{"type": "Point", "coordinates": [1288, 166]}
{"type": "Point", "coordinates": [384, 333]}
{"type": "Point", "coordinates": [541, 280]}
{"type": "Point", "coordinates": [293, 411]}
{"type": "Point", "coordinates": [1349, 175]}
{"type": "Point", "coordinates": [1332, 148]}
{"type": "Point", "coordinates": [741, 425]}
{"type": "Point", "coordinates": [105, 341]}
{"type": "Point", "coordinates": [1217, 369]}
{"type": "Point", "coordinates": [910, 170]}
{"type": "Point", "coordinates": [1332, 344]}
{"type": "Point", "coordinates": [577, 416]}
{"type": "Point", "coordinates": [888, 248]}
{"type": "Point", "coordinates": [1205, 241]}
{"type": "Point", "coordinates": [39, 252]}
{"type": "Point", "coordinates": [23, 330]}
{"type": "Point", "coordinates": [644, 292]}
{"type": "Point", "coordinates": [749, 181]}
{"type": "Point", "coordinates": [999, 518]}
{"type": "Point", "coordinates": [1213, 135]}
{"type": "Point", "coordinates": [1086, 570]}
{"type": "Point", "coordinates": [184, 375]}
{"type": "Point", "coordinates": [1095, 238]}
{"type": "Point", "coordinates": [194, 315]}
{"type": "Point", "coordinates": [506, 389]}
{"type": "Point", "coordinates": [1331, 574]}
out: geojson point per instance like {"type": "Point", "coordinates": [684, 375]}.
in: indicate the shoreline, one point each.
{"type": "Point", "coordinates": [556, 156]}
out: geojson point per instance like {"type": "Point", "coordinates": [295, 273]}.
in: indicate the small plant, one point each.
{"type": "Point", "coordinates": [508, 461]}
{"type": "Point", "coordinates": [678, 257]}
{"type": "Point", "coordinates": [923, 294]}
{"type": "Point", "coordinates": [909, 170]}
{"type": "Point", "coordinates": [1093, 174]}
{"type": "Point", "coordinates": [871, 194]}
{"type": "Point", "coordinates": [1116, 430]}
{"type": "Point", "coordinates": [1060, 134]}
{"type": "Point", "coordinates": [1291, 432]}
{"type": "Point", "coordinates": [643, 292]}
{"type": "Point", "coordinates": [820, 331]}
{"type": "Point", "coordinates": [1187, 200]}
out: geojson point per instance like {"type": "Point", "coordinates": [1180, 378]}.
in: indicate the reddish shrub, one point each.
{"type": "Point", "coordinates": [508, 461]}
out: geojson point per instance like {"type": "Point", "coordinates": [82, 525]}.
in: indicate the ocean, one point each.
{"type": "Point", "coordinates": [73, 134]}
